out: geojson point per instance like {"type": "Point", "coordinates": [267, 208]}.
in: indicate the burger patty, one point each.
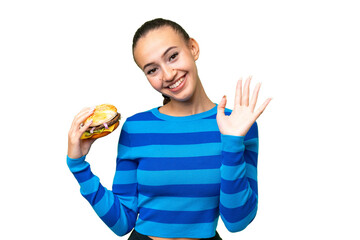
{"type": "Point", "coordinates": [109, 123]}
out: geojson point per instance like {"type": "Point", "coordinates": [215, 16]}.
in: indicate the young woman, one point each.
{"type": "Point", "coordinates": [182, 165]}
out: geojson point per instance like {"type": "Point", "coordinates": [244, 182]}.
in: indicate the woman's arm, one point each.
{"type": "Point", "coordinates": [238, 190]}
{"type": "Point", "coordinates": [239, 136]}
{"type": "Point", "coordinates": [116, 208]}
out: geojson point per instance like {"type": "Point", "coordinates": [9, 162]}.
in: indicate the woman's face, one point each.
{"type": "Point", "coordinates": [168, 62]}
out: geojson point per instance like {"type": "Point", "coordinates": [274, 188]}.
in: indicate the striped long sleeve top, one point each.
{"type": "Point", "coordinates": [175, 176]}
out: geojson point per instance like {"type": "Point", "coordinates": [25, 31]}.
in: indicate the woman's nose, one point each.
{"type": "Point", "coordinates": [169, 73]}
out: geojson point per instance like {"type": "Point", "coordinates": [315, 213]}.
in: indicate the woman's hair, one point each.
{"type": "Point", "coordinates": [156, 24]}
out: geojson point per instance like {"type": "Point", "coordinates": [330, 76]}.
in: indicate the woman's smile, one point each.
{"type": "Point", "coordinates": [178, 84]}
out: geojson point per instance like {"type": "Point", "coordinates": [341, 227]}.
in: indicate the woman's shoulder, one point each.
{"type": "Point", "coordinates": [146, 115]}
{"type": "Point", "coordinates": [138, 119]}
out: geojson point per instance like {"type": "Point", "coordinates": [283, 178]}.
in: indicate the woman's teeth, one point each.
{"type": "Point", "coordinates": [177, 83]}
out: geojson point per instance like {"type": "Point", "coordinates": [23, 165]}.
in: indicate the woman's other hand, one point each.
{"type": "Point", "coordinates": [79, 147]}
{"type": "Point", "coordinates": [243, 115]}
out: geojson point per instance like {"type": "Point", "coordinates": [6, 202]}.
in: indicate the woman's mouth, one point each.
{"type": "Point", "coordinates": [178, 84]}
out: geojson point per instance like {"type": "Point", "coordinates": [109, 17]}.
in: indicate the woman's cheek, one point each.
{"type": "Point", "coordinates": [155, 82]}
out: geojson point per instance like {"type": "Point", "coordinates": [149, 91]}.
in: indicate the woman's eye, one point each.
{"type": "Point", "coordinates": [172, 57]}
{"type": "Point", "coordinates": [151, 71]}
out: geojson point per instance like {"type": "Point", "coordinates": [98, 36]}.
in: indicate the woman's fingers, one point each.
{"type": "Point", "coordinates": [238, 93]}
{"type": "Point", "coordinates": [245, 96]}
{"type": "Point", "coordinates": [261, 109]}
{"type": "Point", "coordinates": [242, 96]}
{"type": "Point", "coordinates": [83, 128]}
{"type": "Point", "coordinates": [80, 125]}
{"type": "Point", "coordinates": [221, 107]}
{"type": "Point", "coordinates": [74, 122]}
{"type": "Point", "coordinates": [255, 96]}
{"type": "Point", "coordinates": [80, 118]}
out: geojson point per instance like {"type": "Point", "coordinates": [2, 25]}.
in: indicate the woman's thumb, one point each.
{"type": "Point", "coordinates": [221, 106]}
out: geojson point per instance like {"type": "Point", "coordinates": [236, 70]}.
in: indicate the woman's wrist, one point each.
{"type": "Point", "coordinates": [232, 143]}
{"type": "Point", "coordinates": [76, 164]}
{"type": "Point", "coordinates": [74, 156]}
{"type": "Point", "coordinates": [74, 150]}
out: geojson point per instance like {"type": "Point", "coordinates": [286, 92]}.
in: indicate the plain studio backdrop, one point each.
{"type": "Point", "coordinates": [57, 57]}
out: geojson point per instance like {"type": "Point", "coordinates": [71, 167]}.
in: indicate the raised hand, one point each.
{"type": "Point", "coordinates": [243, 115]}
{"type": "Point", "coordinates": [79, 147]}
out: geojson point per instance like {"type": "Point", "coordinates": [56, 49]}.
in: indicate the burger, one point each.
{"type": "Point", "coordinates": [105, 120]}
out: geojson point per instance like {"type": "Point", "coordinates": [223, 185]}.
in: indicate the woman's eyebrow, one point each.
{"type": "Point", "coordinates": [167, 50]}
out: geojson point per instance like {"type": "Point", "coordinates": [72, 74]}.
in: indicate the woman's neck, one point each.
{"type": "Point", "coordinates": [198, 103]}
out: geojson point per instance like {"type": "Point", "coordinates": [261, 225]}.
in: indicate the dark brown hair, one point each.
{"type": "Point", "coordinates": [156, 24]}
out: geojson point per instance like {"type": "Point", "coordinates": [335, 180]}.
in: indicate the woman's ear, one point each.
{"type": "Point", "coordinates": [194, 48]}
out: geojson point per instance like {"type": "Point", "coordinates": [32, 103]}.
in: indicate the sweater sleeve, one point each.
{"type": "Point", "coordinates": [238, 190]}
{"type": "Point", "coordinates": [116, 208]}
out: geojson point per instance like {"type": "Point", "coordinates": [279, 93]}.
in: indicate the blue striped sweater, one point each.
{"type": "Point", "coordinates": [175, 176]}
